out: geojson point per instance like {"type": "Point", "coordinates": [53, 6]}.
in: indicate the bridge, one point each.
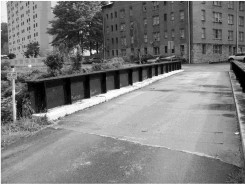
{"type": "Point", "coordinates": [183, 128]}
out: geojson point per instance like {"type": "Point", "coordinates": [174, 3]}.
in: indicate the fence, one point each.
{"type": "Point", "coordinates": [239, 70]}
{"type": "Point", "coordinates": [58, 91]}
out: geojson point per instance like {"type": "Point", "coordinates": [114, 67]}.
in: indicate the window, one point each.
{"type": "Point", "coordinates": [155, 5]}
{"type": "Point", "coordinates": [106, 16]}
{"type": "Point", "coordinates": [182, 15]}
{"type": "Point", "coordinates": [241, 21]}
{"type": "Point", "coordinates": [203, 48]}
{"type": "Point", "coordinates": [231, 4]}
{"type": "Point", "coordinates": [115, 14]}
{"type": "Point", "coordinates": [241, 5]}
{"type": "Point", "coordinates": [217, 49]}
{"type": "Point", "coordinates": [123, 41]}
{"type": "Point", "coordinates": [156, 20]}
{"type": "Point", "coordinates": [217, 34]}
{"type": "Point", "coordinates": [107, 29]}
{"type": "Point", "coordinates": [166, 49]}
{"type": "Point", "coordinates": [123, 51]}
{"type": "Point", "coordinates": [112, 52]}
{"type": "Point", "coordinates": [145, 50]}
{"type": "Point", "coordinates": [172, 16]}
{"type": "Point", "coordinates": [203, 33]}
{"type": "Point", "coordinates": [116, 40]}
{"type": "Point", "coordinates": [164, 3]}
{"type": "Point", "coordinates": [122, 13]}
{"type": "Point", "coordinates": [217, 17]}
{"type": "Point", "coordinates": [132, 40]}
{"type": "Point", "coordinates": [182, 49]}
{"type": "Point", "coordinates": [173, 50]}
{"type": "Point", "coordinates": [156, 36]}
{"type": "Point", "coordinates": [241, 36]}
{"type": "Point", "coordinates": [145, 22]}
{"type": "Point", "coordinates": [165, 17]}
{"type": "Point", "coordinates": [165, 34]}
{"type": "Point", "coordinates": [182, 33]}
{"type": "Point", "coordinates": [130, 11]}
{"type": "Point", "coordinates": [230, 35]}
{"type": "Point", "coordinates": [116, 27]}
{"type": "Point", "coordinates": [111, 28]}
{"type": "Point", "coordinates": [156, 51]}
{"type": "Point", "coordinates": [230, 19]}
{"type": "Point", "coordinates": [112, 41]}
{"type": "Point", "coordinates": [172, 33]}
{"type": "Point", "coordinates": [116, 52]}
{"type": "Point", "coordinates": [111, 15]}
{"type": "Point", "coordinates": [123, 27]}
{"type": "Point", "coordinates": [145, 38]}
{"type": "Point", "coordinates": [203, 15]}
{"type": "Point", "coordinates": [217, 3]}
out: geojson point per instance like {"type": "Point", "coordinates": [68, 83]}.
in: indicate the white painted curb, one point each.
{"type": "Point", "coordinates": [62, 111]}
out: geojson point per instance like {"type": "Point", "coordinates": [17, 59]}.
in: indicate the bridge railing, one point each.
{"type": "Point", "coordinates": [57, 91]}
{"type": "Point", "coordinates": [239, 70]}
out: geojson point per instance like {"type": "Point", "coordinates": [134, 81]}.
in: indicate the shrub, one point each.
{"type": "Point", "coordinates": [76, 62]}
{"type": "Point", "coordinates": [54, 62]}
{"type": "Point", "coordinates": [5, 65]}
{"type": "Point", "coordinates": [11, 56]}
{"type": "Point", "coordinates": [146, 57]}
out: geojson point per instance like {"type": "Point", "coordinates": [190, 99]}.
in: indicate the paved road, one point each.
{"type": "Point", "coordinates": [179, 129]}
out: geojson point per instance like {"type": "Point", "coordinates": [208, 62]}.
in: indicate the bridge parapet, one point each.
{"type": "Point", "coordinates": [57, 91]}
{"type": "Point", "coordinates": [239, 70]}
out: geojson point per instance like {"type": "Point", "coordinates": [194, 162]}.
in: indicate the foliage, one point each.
{"type": "Point", "coordinates": [73, 23]}
{"type": "Point", "coordinates": [54, 62]}
{"type": "Point", "coordinates": [11, 56]}
{"type": "Point", "coordinates": [4, 38]}
{"type": "Point", "coordinates": [146, 57]}
{"type": "Point", "coordinates": [76, 61]}
{"type": "Point", "coordinates": [5, 65]}
{"type": "Point", "coordinates": [32, 50]}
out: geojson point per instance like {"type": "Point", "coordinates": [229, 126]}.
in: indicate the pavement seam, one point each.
{"type": "Point", "coordinates": [238, 112]}
{"type": "Point", "coordinates": [124, 138]}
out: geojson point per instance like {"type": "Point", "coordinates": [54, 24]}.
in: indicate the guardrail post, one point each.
{"type": "Point", "coordinates": [140, 74]}
{"type": "Point", "coordinates": [87, 87]}
{"type": "Point", "coordinates": [117, 80]}
{"type": "Point", "coordinates": [67, 91]}
{"type": "Point", "coordinates": [103, 83]}
{"type": "Point", "coordinates": [130, 76]}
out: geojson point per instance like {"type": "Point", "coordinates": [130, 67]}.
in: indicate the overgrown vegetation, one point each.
{"type": "Point", "coordinates": [32, 50]}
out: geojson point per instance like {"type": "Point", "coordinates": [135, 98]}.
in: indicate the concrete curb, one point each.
{"type": "Point", "coordinates": [239, 97]}
{"type": "Point", "coordinates": [62, 111]}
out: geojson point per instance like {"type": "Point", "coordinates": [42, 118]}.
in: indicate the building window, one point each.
{"type": "Point", "coordinates": [230, 50]}
{"type": "Point", "coordinates": [123, 27]}
{"type": "Point", "coordinates": [156, 36]}
{"type": "Point", "coordinates": [182, 50]}
{"type": "Point", "coordinates": [217, 3]}
{"type": "Point", "coordinates": [107, 16]}
{"type": "Point", "coordinates": [172, 16]}
{"type": "Point", "coordinates": [172, 33]}
{"type": "Point", "coordinates": [203, 15]}
{"type": "Point", "coordinates": [122, 13]}
{"type": "Point", "coordinates": [132, 39]}
{"type": "Point", "coordinates": [165, 17]}
{"type": "Point", "coordinates": [217, 49]}
{"type": "Point", "coordinates": [182, 33]}
{"type": "Point", "coordinates": [156, 50]}
{"type": "Point", "coordinates": [230, 35]}
{"type": "Point", "coordinates": [145, 22]}
{"type": "Point", "coordinates": [123, 41]}
{"type": "Point", "coordinates": [241, 36]}
{"type": "Point", "coordinates": [230, 19]}
{"type": "Point", "coordinates": [241, 21]}
{"type": "Point", "coordinates": [116, 40]}
{"type": "Point", "coordinates": [112, 53]}
{"type": "Point", "coordinates": [111, 28]}
{"type": "Point", "coordinates": [145, 50]}
{"type": "Point", "coordinates": [173, 50]}
{"type": "Point", "coordinates": [156, 20]}
{"type": "Point", "coordinates": [155, 5]}
{"type": "Point", "coordinates": [217, 17]}
{"type": "Point", "coordinates": [166, 49]}
{"type": "Point", "coordinates": [231, 4]}
{"type": "Point", "coordinates": [115, 14]}
{"type": "Point", "coordinates": [165, 34]}
{"type": "Point", "coordinates": [111, 15]}
{"type": "Point", "coordinates": [203, 48]}
{"type": "Point", "coordinates": [107, 29]}
{"type": "Point", "coordinates": [145, 38]}
{"type": "Point", "coordinates": [130, 11]}
{"type": "Point", "coordinates": [116, 52]}
{"type": "Point", "coordinates": [123, 52]}
{"type": "Point", "coordinates": [241, 5]}
{"type": "Point", "coordinates": [182, 15]}
{"type": "Point", "coordinates": [112, 41]}
{"type": "Point", "coordinates": [217, 34]}
{"type": "Point", "coordinates": [203, 33]}
{"type": "Point", "coordinates": [116, 27]}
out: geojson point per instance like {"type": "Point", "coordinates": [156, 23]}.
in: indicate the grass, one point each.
{"type": "Point", "coordinates": [237, 177]}
{"type": "Point", "coordinates": [13, 131]}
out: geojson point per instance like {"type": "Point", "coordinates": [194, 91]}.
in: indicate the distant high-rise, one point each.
{"type": "Point", "coordinates": [28, 22]}
{"type": "Point", "coordinates": [200, 31]}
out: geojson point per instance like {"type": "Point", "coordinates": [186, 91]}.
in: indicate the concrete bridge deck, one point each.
{"type": "Point", "coordinates": [180, 129]}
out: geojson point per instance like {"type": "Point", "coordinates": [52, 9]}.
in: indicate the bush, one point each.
{"type": "Point", "coordinates": [76, 62]}
{"type": "Point", "coordinates": [5, 65]}
{"type": "Point", "coordinates": [11, 56]}
{"type": "Point", "coordinates": [54, 62]}
{"type": "Point", "coordinates": [146, 57]}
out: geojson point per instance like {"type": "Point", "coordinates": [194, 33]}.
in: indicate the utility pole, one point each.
{"type": "Point", "coordinates": [189, 33]}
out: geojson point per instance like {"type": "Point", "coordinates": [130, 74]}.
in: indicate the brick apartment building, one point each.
{"type": "Point", "coordinates": [28, 22]}
{"type": "Point", "coordinates": [201, 30]}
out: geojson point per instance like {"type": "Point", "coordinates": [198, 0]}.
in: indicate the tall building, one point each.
{"type": "Point", "coordinates": [200, 30]}
{"type": "Point", "coordinates": [28, 22]}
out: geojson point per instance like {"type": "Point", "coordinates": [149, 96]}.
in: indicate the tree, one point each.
{"type": "Point", "coordinates": [4, 38]}
{"type": "Point", "coordinates": [73, 22]}
{"type": "Point", "coordinates": [32, 50]}
{"type": "Point", "coordinates": [11, 56]}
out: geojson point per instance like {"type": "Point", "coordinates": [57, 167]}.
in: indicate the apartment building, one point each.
{"type": "Point", "coordinates": [28, 22]}
{"type": "Point", "coordinates": [200, 31]}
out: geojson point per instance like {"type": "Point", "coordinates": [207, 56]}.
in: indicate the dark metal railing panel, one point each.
{"type": "Point", "coordinates": [57, 91]}
{"type": "Point", "coordinates": [239, 70]}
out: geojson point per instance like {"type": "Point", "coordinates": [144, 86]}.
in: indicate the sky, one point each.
{"type": "Point", "coordinates": [4, 10]}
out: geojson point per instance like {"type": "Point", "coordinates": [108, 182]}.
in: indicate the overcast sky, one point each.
{"type": "Point", "coordinates": [4, 10]}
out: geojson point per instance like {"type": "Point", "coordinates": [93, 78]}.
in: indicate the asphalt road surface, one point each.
{"type": "Point", "coordinates": [179, 129]}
